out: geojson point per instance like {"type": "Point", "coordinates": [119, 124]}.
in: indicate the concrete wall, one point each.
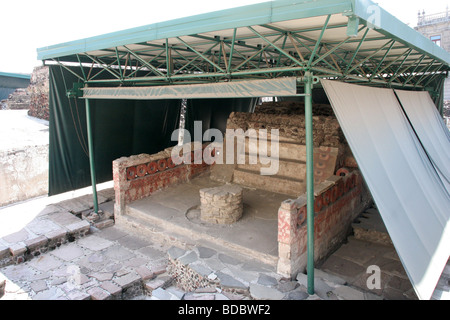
{"type": "Point", "coordinates": [23, 174]}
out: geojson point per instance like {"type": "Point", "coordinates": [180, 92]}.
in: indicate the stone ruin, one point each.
{"type": "Point", "coordinates": [331, 151]}
{"type": "Point", "coordinates": [34, 98]}
{"type": "Point", "coordinates": [221, 205]}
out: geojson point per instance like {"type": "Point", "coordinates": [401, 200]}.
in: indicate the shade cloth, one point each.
{"type": "Point", "coordinates": [405, 186]}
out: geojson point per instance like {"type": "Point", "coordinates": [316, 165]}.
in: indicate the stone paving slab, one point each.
{"type": "Point", "coordinates": [111, 263]}
{"type": "Point", "coordinates": [51, 227]}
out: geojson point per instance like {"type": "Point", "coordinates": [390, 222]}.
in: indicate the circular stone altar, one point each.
{"type": "Point", "coordinates": [221, 205]}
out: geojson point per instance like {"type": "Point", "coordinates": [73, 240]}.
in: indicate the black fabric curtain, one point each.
{"type": "Point", "coordinates": [120, 128]}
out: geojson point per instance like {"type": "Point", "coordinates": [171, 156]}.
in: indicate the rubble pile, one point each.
{"type": "Point", "coordinates": [39, 89]}
{"type": "Point", "coordinates": [18, 100]}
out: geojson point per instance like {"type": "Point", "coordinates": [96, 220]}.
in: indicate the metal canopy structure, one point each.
{"type": "Point", "coordinates": [348, 40]}
{"type": "Point", "coordinates": [351, 40]}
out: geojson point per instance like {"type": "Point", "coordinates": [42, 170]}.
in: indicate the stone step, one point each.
{"type": "Point", "coordinates": [283, 185]}
{"type": "Point", "coordinates": [369, 226]}
{"type": "Point", "coordinates": [287, 169]}
{"type": "Point", "coordinates": [286, 150]}
{"type": "Point", "coordinates": [166, 231]}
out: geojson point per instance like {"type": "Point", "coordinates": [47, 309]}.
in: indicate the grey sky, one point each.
{"type": "Point", "coordinates": [30, 24]}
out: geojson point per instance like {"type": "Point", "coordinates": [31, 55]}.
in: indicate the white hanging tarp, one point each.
{"type": "Point", "coordinates": [430, 129]}
{"type": "Point", "coordinates": [407, 190]}
{"type": "Point", "coordinates": [235, 89]}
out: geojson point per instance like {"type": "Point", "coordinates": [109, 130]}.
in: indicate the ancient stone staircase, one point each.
{"type": "Point", "coordinates": [370, 227]}
{"type": "Point", "coordinates": [290, 177]}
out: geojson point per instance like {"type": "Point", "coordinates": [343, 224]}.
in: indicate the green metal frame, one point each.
{"type": "Point", "coordinates": [91, 154]}
{"type": "Point", "coordinates": [309, 180]}
{"type": "Point", "coordinates": [282, 53]}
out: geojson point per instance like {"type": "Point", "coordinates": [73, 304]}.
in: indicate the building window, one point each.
{"type": "Point", "coordinates": [436, 40]}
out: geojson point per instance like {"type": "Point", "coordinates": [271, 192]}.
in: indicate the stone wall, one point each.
{"type": "Point", "coordinates": [331, 150]}
{"type": "Point", "coordinates": [137, 177]}
{"type": "Point", "coordinates": [338, 201]}
{"type": "Point", "coordinates": [326, 129]}
{"type": "Point", "coordinates": [23, 174]}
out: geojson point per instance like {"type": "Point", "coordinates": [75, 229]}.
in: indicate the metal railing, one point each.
{"type": "Point", "coordinates": [433, 18]}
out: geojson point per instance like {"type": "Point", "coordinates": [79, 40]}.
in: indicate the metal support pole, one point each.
{"type": "Point", "coordinates": [309, 180]}
{"type": "Point", "coordinates": [91, 154]}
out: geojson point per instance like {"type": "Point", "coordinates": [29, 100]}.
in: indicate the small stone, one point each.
{"type": "Point", "coordinates": [4, 252]}
{"type": "Point", "coordinates": [199, 296]}
{"type": "Point", "coordinates": [266, 280]}
{"type": "Point", "coordinates": [297, 295]}
{"type": "Point", "coordinates": [144, 273]}
{"type": "Point", "coordinates": [260, 292]}
{"type": "Point", "coordinates": [97, 293]}
{"type": "Point", "coordinates": [212, 276]}
{"type": "Point", "coordinates": [154, 284]}
{"type": "Point", "coordinates": [112, 288]}
{"type": "Point", "coordinates": [162, 294]}
{"type": "Point", "coordinates": [229, 281]}
{"type": "Point", "coordinates": [38, 286]}
{"type": "Point", "coordinates": [102, 276]}
{"type": "Point", "coordinates": [159, 269]}
{"type": "Point", "coordinates": [104, 224]}
{"type": "Point", "coordinates": [77, 295]}
{"type": "Point", "coordinates": [175, 252]}
{"type": "Point", "coordinates": [348, 293]}
{"type": "Point", "coordinates": [78, 227]}
{"type": "Point", "coordinates": [94, 243]}
{"type": "Point", "coordinates": [36, 242]}
{"type": "Point", "coordinates": [206, 252]}
{"type": "Point", "coordinates": [188, 258]}
{"type": "Point", "coordinates": [17, 249]}
{"type": "Point", "coordinates": [56, 235]}
{"type": "Point", "coordinates": [220, 296]}
{"type": "Point", "coordinates": [201, 270]}
{"type": "Point", "coordinates": [127, 280]}
{"type": "Point", "coordinates": [227, 259]}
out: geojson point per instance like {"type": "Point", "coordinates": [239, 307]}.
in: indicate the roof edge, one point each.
{"type": "Point", "coordinates": [386, 23]}
{"type": "Point", "coordinates": [249, 15]}
{"type": "Point", "coordinates": [15, 75]}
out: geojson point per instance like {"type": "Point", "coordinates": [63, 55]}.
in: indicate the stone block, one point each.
{"type": "Point", "coordinates": [154, 284]}
{"type": "Point", "coordinates": [56, 237]}
{"type": "Point", "coordinates": [175, 252]}
{"type": "Point", "coordinates": [104, 224]}
{"type": "Point", "coordinates": [78, 295]}
{"type": "Point", "coordinates": [128, 280]}
{"type": "Point", "coordinates": [221, 205]}
{"type": "Point", "coordinates": [95, 243]}
{"type": "Point", "coordinates": [36, 243]}
{"type": "Point", "coordinates": [78, 229]}
{"type": "Point", "coordinates": [97, 293]}
{"type": "Point", "coordinates": [113, 289]}
{"type": "Point", "coordinates": [4, 252]}
{"type": "Point", "coordinates": [145, 273]}
{"type": "Point", "coordinates": [259, 292]}
{"type": "Point", "coordinates": [18, 249]}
